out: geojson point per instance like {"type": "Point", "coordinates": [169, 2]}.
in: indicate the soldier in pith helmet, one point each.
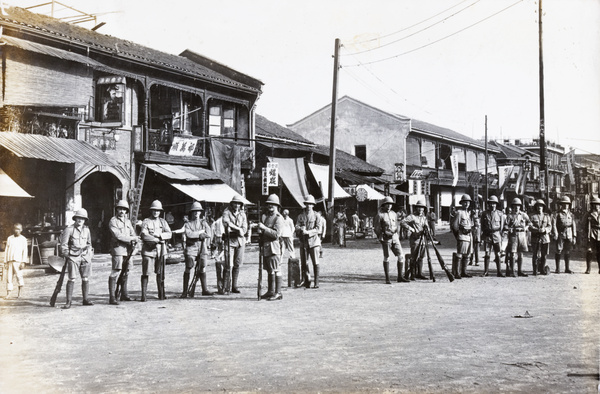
{"type": "Point", "coordinates": [517, 222]}
{"type": "Point", "coordinates": [462, 226]}
{"type": "Point", "coordinates": [385, 225]}
{"type": "Point", "coordinates": [76, 247]}
{"type": "Point", "coordinates": [308, 229]}
{"type": "Point", "coordinates": [155, 233]}
{"type": "Point", "coordinates": [123, 241]}
{"type": "Point", "coordinates": [540, 227]}
{"type": "Point", "coordinates": [197, 239]}
{"type": "Point", "coordinates": [415, 224]}
{"type": "Point", "coordinates": [593, 234]}
{"type": "Point", "coordinates": [492, 225]}
{"type": "Point", "coordinates": [564, 233]}
{"type": "Point", "coordinates": [236, 227]}
{"type": "Point", "coordinates": [269, 228]}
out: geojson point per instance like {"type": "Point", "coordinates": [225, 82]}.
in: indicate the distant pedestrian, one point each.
{"type": "Point", "coordinates": [593, 234]}
{"type": "Point", "coordinates": [15, 257]}
{"type": "Point", "coordinates": [76, 247]}
{"type": "Point", "coordinates": [540, 227]}
{"type": "Point", "coordinates": [340, 224]}
{"type": "Point", "coordinates": [217, 230]}
{"type": "Point", "coordinates": [476, 219]}
{"type": "Point", "coordinates": [155, 232]}
{"type": "Point", "coordinates": [322, 222]}
{"type": "Point", "coordinates": [355, 223]}
{"type": "Point", "coordinates": [386, 228]}
{"type": "Point", "coordinates": [287, 235]}
{"type": "Point", "coordinates": [564, 232]}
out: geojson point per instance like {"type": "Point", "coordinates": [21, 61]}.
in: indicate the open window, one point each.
{"type": "Point", "coordinates": [110, 99]}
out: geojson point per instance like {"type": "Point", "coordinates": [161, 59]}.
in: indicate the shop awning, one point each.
{"type": "Point", "coordinates": [393, 191]}
{"type": "Point", "coordinates": [321, 174]}
{"type": "Point", "coordinates": [293, 175]}
{"type": "Point", "coordinates": [61, 150]}
{"type": "Point", "coordinates": [185, 173]}
{"type": "Point", "coordinates": [369, 192]}
{"type": "Point", "coordinates": [211, 192]}
{"type": "Point", "coordinates": [47, 50]}
{"type": "Point", "coordinates": [10, 188]}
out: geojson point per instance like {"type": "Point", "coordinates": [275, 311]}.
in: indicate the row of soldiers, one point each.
{"type": "Point", "coordinates": [495, 228]}
{"type": "Point", "coordinates": [229, 233]}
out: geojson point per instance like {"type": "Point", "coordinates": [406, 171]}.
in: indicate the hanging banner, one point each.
{"type": "Point", "coordinates": [183, 146]}
{"type": "Point", "coordinates": [272, 174]}
{"type": "Point", "coordinates": [454, 163]}
{"type": "Point", "coordinates": [265, 182]}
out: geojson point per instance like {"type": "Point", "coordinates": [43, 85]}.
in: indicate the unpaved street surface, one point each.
{"type": "Point", "coordinates": [353, 334]}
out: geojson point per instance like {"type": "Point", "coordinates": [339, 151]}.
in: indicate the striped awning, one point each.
{"type": "Point", "coordinates": [61, 150]}
{"type": "Point", "coordinates": [10, 188]}
{"type": "Point", "coordinates": [47, 50]}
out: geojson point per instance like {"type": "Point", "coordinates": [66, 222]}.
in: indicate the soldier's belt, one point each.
{"type": "Point", "coordinates": [518, 230]}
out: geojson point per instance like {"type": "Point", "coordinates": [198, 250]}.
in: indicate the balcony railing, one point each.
{"type": "Point", "coordinates": [161, 141]}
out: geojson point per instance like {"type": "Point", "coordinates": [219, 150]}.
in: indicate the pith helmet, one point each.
{"type": "Point", "coordinates": [196, 206]}
{"type": "Point", "coordinates": [595, 201]}
{"type": "Point", "coordinates": [273, 199]}
{"type": "Point", "coordinates": [310, 200]}
{"type": "Point", "coordinates": [156, 206]}
{"type": "Point", "coordinates": [421, 203]}
{"type": "Point", "coordinates": [237, 199]}
{"type": "Point", "coordinates": [81, 213]}
{"type": "Point", "coordinates": [540, 202]}
{"type": "Point", "coordinates": [465, 197]}
{"type": "Point", "coordinates": [122, 204]}
{"type": "Point", "coordinates": [516, 201]}
{"type": "Point", "coordinates": [387, 200]}
{"type": "Point", "coordinates": [493, 199]}
{"type": "Point", "coordinates": [565, 200]}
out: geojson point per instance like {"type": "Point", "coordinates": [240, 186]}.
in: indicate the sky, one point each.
{"type": "Point", "coordinates": [446, 62]}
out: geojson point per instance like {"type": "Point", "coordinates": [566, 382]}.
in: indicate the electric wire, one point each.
{"type": "Point", "coordinates": [416, 32]}
{"type": "Point", "coordinates": [436, 41]}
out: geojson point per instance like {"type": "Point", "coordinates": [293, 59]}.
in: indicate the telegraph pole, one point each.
{"type": "Point", "coordinates": [543, 164]}
{"type": "Point", "coordinates": [336, 67]}
{"type": "Point", "coordinates": [485, 193]}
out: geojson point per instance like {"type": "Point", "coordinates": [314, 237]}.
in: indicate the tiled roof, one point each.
{"type": "Point", "coordinates": [515, 152]}
{"type": "Point", "coordinates": [25, 21]}
{"type": "Point", "coordinates": [444, 133]}
{"type": "Point", "coordinates": [266, 128]}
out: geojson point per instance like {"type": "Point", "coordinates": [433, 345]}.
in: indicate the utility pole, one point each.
{"type": "Point", "coordinates": [543, 165]}
{"type": "Point", "coordinates": [485, 192]}
{"type": "Point", "coordinates": [336, 67]}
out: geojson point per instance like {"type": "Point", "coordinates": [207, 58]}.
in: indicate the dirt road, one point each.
{"type": "Point", "coordinates": [353, 334]}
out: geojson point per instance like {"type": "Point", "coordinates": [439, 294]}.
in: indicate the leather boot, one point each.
{"type": "Point", "coordinates": [401, 278]}
{"type": "Point", "coordinates": [186, 283]}
{"type": "Point", "coordinates": [520, 267]}
{"type": "Point", "coordinates": [455, 263]}
{"type": "Point", "coordinates": [85, 290]}
{"type": "Point", "coordinates": [124, 293]}
{"type": "Point", "coordinates": [271, 284]}
{"type": "Point", "coordinates": [419, 266]}
{"type": "Point", "coordinates": [159, 287]}
{"type": "Point", "coordinates": [69, 295]}
{"type": "Point", "coordinates": [226, 281]}
{"type": "Point", "coordinates": [307, 276]}
{"type": "Point", "coordinates": [486, 265]}
{"type": "Point", "coordinates": [567, 261]}
{"type": "Point", "coordinates": [144, 280]}
{"type": "Point", "coordinates": [112, 284]}
{"type": "Point", "coordinates": [512, 266]}
{"type": "Point", "coordinates": [316, 279]}
{"type": "Point", "coordinates": [588, 262]}
{"type": "Point", "coordinates": [219, 270]}
{"type": "Point", "coordinates": [234, 279]}
{"type": "Point", "coordinates": [463, 268]}
{"type": "Point", "coordinates": [386, 270]}
{"type": "Point", "coordinates": [407, 267]}
{"type": "Point", "coordinates": [557, 263]}
{"type": "Point", "coordinates": [499, 273]}
{"type": "Point", "coordinates": [278, 295]}
{"type": "Point", "coordinates": [205, 291]}
{"type": "Point", "coordinates": [534, 264]}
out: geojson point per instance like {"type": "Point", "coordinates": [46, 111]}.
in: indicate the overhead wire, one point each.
{"type": "Point", "coordinates": [436, 41]}
{"type": "Point", "coordinates": [416, 32]}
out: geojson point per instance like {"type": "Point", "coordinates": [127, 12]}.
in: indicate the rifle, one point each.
{"type": "Point", "coordinates": [227, 278]}
{"type": "Point", "coordinates": [439, 257]}
{"type": "Point", "coordinates": [260, 259]}
{"type": "Point", "coordinates": [429, 265]}
{"type": "Point", "coordinates": [161, 255]}
{"type": "Point", "coordinates": [59, 284]}
{"type": "Point", "coordinates": [192, 286]}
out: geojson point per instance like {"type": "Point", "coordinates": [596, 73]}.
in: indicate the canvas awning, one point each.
{"type": "Point", "coordinates": [321, 174]}
{"type": "Point", "coordinates": [61, 150]}
{"type": "Point", "coordinates": [211, 192]}
{"type": "Point", "coordinates": [10, 188]}
{"type": "Point", "coordinates": [293, 176]}
{"type": "Point", "coordinates": [369, 193]}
